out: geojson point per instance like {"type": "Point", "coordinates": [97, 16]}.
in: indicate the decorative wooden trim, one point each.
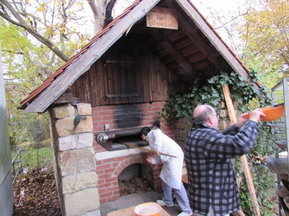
{"type": "Point", "coordinates": [162, 17]}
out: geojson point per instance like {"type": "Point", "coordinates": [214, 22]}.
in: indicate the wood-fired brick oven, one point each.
{"type": "Point", "coordinates": [120, 139]}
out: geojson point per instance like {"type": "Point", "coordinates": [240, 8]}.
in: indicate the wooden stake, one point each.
{"type": "Point", "coordinates": [244, 161]}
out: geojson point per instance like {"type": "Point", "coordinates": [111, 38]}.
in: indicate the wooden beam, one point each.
{"type": "Point", "coordinates": [169, 48]}
{"type": "Point", "coordinates": [244, 161]}
{"type": "Point", "coordinates": [94, 52]}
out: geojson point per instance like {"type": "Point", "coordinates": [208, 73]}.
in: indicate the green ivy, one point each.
{"type": "Point", "coordinates": [180, 105]}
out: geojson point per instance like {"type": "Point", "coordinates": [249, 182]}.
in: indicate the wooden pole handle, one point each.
{"type": "Point", "coordinates": [244, 161]}
{"type": "Point", "coordinates": [161, 153]}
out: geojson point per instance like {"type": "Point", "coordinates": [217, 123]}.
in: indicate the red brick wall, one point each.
{"type": "Point", "coordinates": [109, 170]}
{"type": "Point", "coordinates": [149, 112]}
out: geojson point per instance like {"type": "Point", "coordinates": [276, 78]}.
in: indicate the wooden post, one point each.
{"type": "Point", "coordinates": [244, 161]}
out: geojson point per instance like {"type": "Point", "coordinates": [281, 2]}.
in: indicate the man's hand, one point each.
{"type": "Point", "coordinates": [153, 152]}
{"type": "Point", "coordinates": [256, 114]}
{"type": "Point", "coordinates": [153, 159]}
{"type": "Point", "coordinates": [149, 159]}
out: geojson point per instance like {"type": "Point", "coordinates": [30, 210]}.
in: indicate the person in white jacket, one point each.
{"type": "Point", "coordinates": [171, 173]}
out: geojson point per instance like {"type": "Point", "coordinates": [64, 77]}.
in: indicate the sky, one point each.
{"type": "Point", "coordinates": [218, 12]}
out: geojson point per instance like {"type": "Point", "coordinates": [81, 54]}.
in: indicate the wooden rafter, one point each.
{"type": "Point", "coordinates": [198, 41]}
{"type": "Point", "coordinates": [187, 68]}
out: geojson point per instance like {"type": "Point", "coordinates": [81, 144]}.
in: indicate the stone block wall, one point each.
{"type": "Point", "coordinates": [183, 126]}
{"type": "Point", "coordinates": [75, 167]}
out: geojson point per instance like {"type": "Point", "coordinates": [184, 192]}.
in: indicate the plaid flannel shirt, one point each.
{"type": "Point", "coordinates": [208, 155]}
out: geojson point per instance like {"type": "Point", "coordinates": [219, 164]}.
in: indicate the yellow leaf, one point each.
{"type": "Point", "coordinates": [41, 7]}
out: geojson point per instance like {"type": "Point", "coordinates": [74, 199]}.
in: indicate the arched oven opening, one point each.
{"type": "Point", "coordinates": [136, 178]}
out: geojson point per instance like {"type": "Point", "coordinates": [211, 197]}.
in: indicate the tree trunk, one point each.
{"type": "Point", "coordinates": [102, 10]}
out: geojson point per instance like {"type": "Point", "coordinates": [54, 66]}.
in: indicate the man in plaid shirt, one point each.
{"type": "Point", "coordinates": [212, 186]}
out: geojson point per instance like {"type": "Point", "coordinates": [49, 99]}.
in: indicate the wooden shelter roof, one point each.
{"type": "Point", "coordinates": [188, 51]}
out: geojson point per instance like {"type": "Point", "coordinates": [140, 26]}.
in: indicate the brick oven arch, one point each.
{"type": "Point", "coordinates": [109, 170]}
{"type": "Point", "coordinates": [127, 162]}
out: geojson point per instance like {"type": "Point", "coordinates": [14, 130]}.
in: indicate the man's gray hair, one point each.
{"type": "Point", "coordinates": [203, 116]}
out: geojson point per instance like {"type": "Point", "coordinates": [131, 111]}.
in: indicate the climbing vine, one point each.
{"type": "Point", "coordinates": [209, 91]}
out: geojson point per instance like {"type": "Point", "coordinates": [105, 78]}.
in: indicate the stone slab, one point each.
{"type": "Point", "coordinates": [77, 161]}
{"type": "Point", "coordinates": [85, 125]}
{"type": "Point", "coordinates": [75, 141]}
{"type": "Point", "coordinates": [79, 182]}
{"type": "Point", "coordinates": [64, 127]}
{"type": "Point", "coordinates": [63, 112]}
{"type": "Point", "coordinates": [84, 109]}
{"type": "Point", "coordinates": [82, 202]}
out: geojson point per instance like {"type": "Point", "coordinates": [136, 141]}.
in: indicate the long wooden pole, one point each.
{"type": "Point", "coordinates": [244, 161]}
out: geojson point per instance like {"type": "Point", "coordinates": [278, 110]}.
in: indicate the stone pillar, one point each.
{"type": "Point", "coordinates": [75, 165]}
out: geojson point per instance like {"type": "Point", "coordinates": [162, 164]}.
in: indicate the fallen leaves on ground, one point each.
{"type": "Point", "coordinates": [35, 194]}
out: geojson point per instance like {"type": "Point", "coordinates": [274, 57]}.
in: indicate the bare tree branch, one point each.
{"type": "Point", "coordinates": [99, 8]}
{"type": "Point", "coordinates": [21, 23]}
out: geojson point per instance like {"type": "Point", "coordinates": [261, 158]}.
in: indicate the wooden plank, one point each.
{"type": "Point", "coordinates": [150, 77]}
{"type": "Point", "coordinates": [94, 52]}
{"type": "Point", "coordinates": [160, 17]}
{"type": "Point", "coordinates": [174, 36]}
{"type": "Point", "coordinates": [164, 77]}
{"type": "Point", "coordinates": [244, 161]}
{"type": "Point", "coordinates": [132, 81]}
{"type": "Point", "coordinates": [213, 38]}
{"type": "Point", "coordinates": [92, 86]}
{"type": "Point", "coordinates": [139, 80]}
{"type": "Point", "coordinates": [186, 43]}
{"type": "Point", "coordinates": [87, 86]}
{"type": "Point", "coordinates": [99, 83]}
{"type": "Point", "coordinates": [64, 98]}
{"type": "Point", "coordinates": [109, 80]}
{"type": "Point", "coordinates": [201, 65]}
{"type": "Point", "coordinates": [123, 82]}
{"type": "Point", "coordinates": [144, 75]}
{"type": "Point", "coordinates": [192, 50]}
{"type": "Point", "coordinates": [115, 82]}
{"type": "Point", "coordinates": [197, 58]}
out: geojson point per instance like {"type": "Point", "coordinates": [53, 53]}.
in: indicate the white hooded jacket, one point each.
{"type": "Point", "coordinates": [171, 172]}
